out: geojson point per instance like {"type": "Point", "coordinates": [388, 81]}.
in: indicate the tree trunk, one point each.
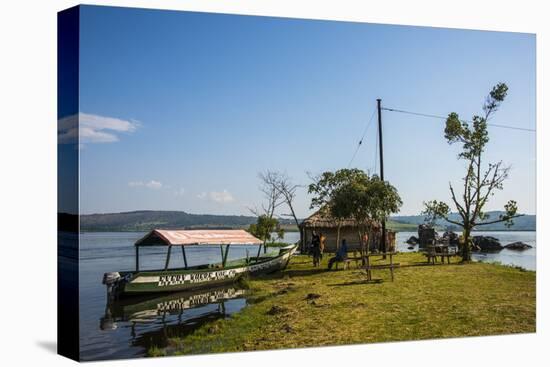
{"type": "Point", "coordinates": [338, 236]}
{"type": "Point", "coordinates": [289, 203]}
{"type": "Point", "coordinates": [466, 246]}
{"type": "Point", "coordinates": [364, 246]}
{"type": "Point", "coordinates": [301, 246]}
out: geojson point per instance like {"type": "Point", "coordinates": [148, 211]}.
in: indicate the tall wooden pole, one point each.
{"type": "Point", "coordinates": [379, 102]}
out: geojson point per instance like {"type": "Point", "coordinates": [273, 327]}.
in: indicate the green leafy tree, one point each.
{"type": "Point", "coordinates": [352, 193]}
{"type": "Point", "coordinates": [266, 229]}
{"type": "Point", "coordinates": [479, 183]}
{"type": "Point", "coordinates": [322, 189]}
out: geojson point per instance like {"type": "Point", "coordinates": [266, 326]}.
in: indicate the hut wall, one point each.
{"type": "Point", "coordinates": [351, 235]}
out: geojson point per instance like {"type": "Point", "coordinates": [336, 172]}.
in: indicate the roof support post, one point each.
{"type": "Point", "coordinates": [137, 259]}
{"type": "Point", "coordinates": [184, 257]}
{"type": "Point", "coordinates": [259, 250]}
{"type": "Point", "coordinates": [221, 249]}
{"type": "Point", "coordinates": [168, 257]}
{"type": "Point", "coordinates": [225, 256]}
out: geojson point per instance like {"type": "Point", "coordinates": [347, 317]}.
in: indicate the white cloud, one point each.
{"type": "Point", "coordinates": [90, 128]}
{"type": "Point", "coordinates": [180, 192]}
{"type": "Point", "coordinates": [217, 196]}
{"type": "Point", "coordinates": [221, 196]}
{"type": "Point", "coordinates": [153, 184]}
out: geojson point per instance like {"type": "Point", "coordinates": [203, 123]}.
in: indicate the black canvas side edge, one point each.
{"type": "Point", "coordinates": [68, 45]}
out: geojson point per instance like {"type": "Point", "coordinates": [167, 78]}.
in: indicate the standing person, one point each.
{"type": "Point", "coordinates": [322, 239]}
{"type": "Point", "coordinates": [341, 254]}
{"type": "Point", "coordinates": [315, 249]}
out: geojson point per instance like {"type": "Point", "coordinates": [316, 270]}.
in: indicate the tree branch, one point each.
{"type": "Point", "coordinates": [461, 210]}
{"type": "Point", "coordinates": [453, 222]}
{"type": "Point", "coordinates": [499, 220]}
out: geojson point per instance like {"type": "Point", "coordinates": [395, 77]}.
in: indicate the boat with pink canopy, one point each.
{"type": "Point", "coordinates": [194, 277]}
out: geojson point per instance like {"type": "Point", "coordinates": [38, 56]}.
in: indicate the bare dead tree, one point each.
{"type": "Point", "coordinates": [279, 189]}
{"type": "Point", "coordinates": [270, 189]}
{"type": "Point", "coordinates": [287, 189]}
{"type": "Point", "coordinates": [272, 196]}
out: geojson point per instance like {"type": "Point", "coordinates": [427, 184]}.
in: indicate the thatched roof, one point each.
{"type": "Point", "coordinates": [322, 219]}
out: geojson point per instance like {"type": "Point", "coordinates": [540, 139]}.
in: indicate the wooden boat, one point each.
{"type": "Point", "coordinates": [202, 276]}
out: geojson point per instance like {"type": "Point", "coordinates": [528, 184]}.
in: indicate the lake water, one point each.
{"type": "Point", "coordinates": [128, 330]}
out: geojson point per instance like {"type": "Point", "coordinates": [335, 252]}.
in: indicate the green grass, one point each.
{"type": "Point", "coordinates": [423, 302]}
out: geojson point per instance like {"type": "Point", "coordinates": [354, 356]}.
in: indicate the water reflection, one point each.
{"type": "Point", "coordinates": [152, 320]}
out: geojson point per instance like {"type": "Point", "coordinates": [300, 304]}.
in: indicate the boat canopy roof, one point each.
{"type": "Point", "coordinates": [168, 237]}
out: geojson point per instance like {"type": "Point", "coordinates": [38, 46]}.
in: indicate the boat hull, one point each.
{"type": "Point", "coordinates": [184, 280]}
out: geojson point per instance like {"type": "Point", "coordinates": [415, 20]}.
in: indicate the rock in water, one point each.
{"type": "Point", "coordinates": [451, 238]}
{"type": "Point", "coordinates": [487, 243]}
{"type": "Point", "coordinates": [518, 246]}
{"type": "Point", "coordinates": [426, 235]}
{"type": "Point", "coordinates": [412, 240]}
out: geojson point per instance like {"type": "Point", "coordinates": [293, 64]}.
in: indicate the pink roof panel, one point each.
{"type": "Point", "coordinates": [198, 237]}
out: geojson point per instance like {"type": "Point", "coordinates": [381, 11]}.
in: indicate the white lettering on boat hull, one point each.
{"type": "Point", "coordinates": [209, 276]}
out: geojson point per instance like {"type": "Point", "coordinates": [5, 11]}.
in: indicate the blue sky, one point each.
{"type": "Point", "coordinates": [180, 111]}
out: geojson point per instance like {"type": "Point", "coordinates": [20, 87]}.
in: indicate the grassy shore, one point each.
{"type": "Point", "coordinates": [305, 306]}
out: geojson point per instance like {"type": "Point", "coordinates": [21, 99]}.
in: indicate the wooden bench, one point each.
{"type": "Point", "coordinates": [432, 254]}
{"type": "Point", "coordinates": [346, 263]}
{"type": "Point", "coordinates": [369, 267]}
{"type": "Point", "coordinates": [432, 257]}
{"type": "Point", "coordinates": [382, 266]}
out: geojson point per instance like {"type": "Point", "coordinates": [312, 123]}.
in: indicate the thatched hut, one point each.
{"type": "Point", "coordinates": [335, 231]}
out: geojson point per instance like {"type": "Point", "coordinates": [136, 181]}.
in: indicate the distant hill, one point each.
{"type": "Point", "coordinates": [146, 220]}
{"type": "Point", "coordinates": [525, 223]}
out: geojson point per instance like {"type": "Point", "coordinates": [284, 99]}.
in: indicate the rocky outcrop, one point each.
{"type": "Point", "coordinates": [518, 246]}
{"type": "Point", "coordinates": [451, 238]}
{"type": "Point", "coordinates": [426, 235]}
{"type": "Point", "coordinates": [412, 240]}
{"type": "Point", "coordinates": [486, 244]}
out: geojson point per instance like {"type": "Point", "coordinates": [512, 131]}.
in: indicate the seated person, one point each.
{"type": "Point", "coordinates": [341, 254]}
